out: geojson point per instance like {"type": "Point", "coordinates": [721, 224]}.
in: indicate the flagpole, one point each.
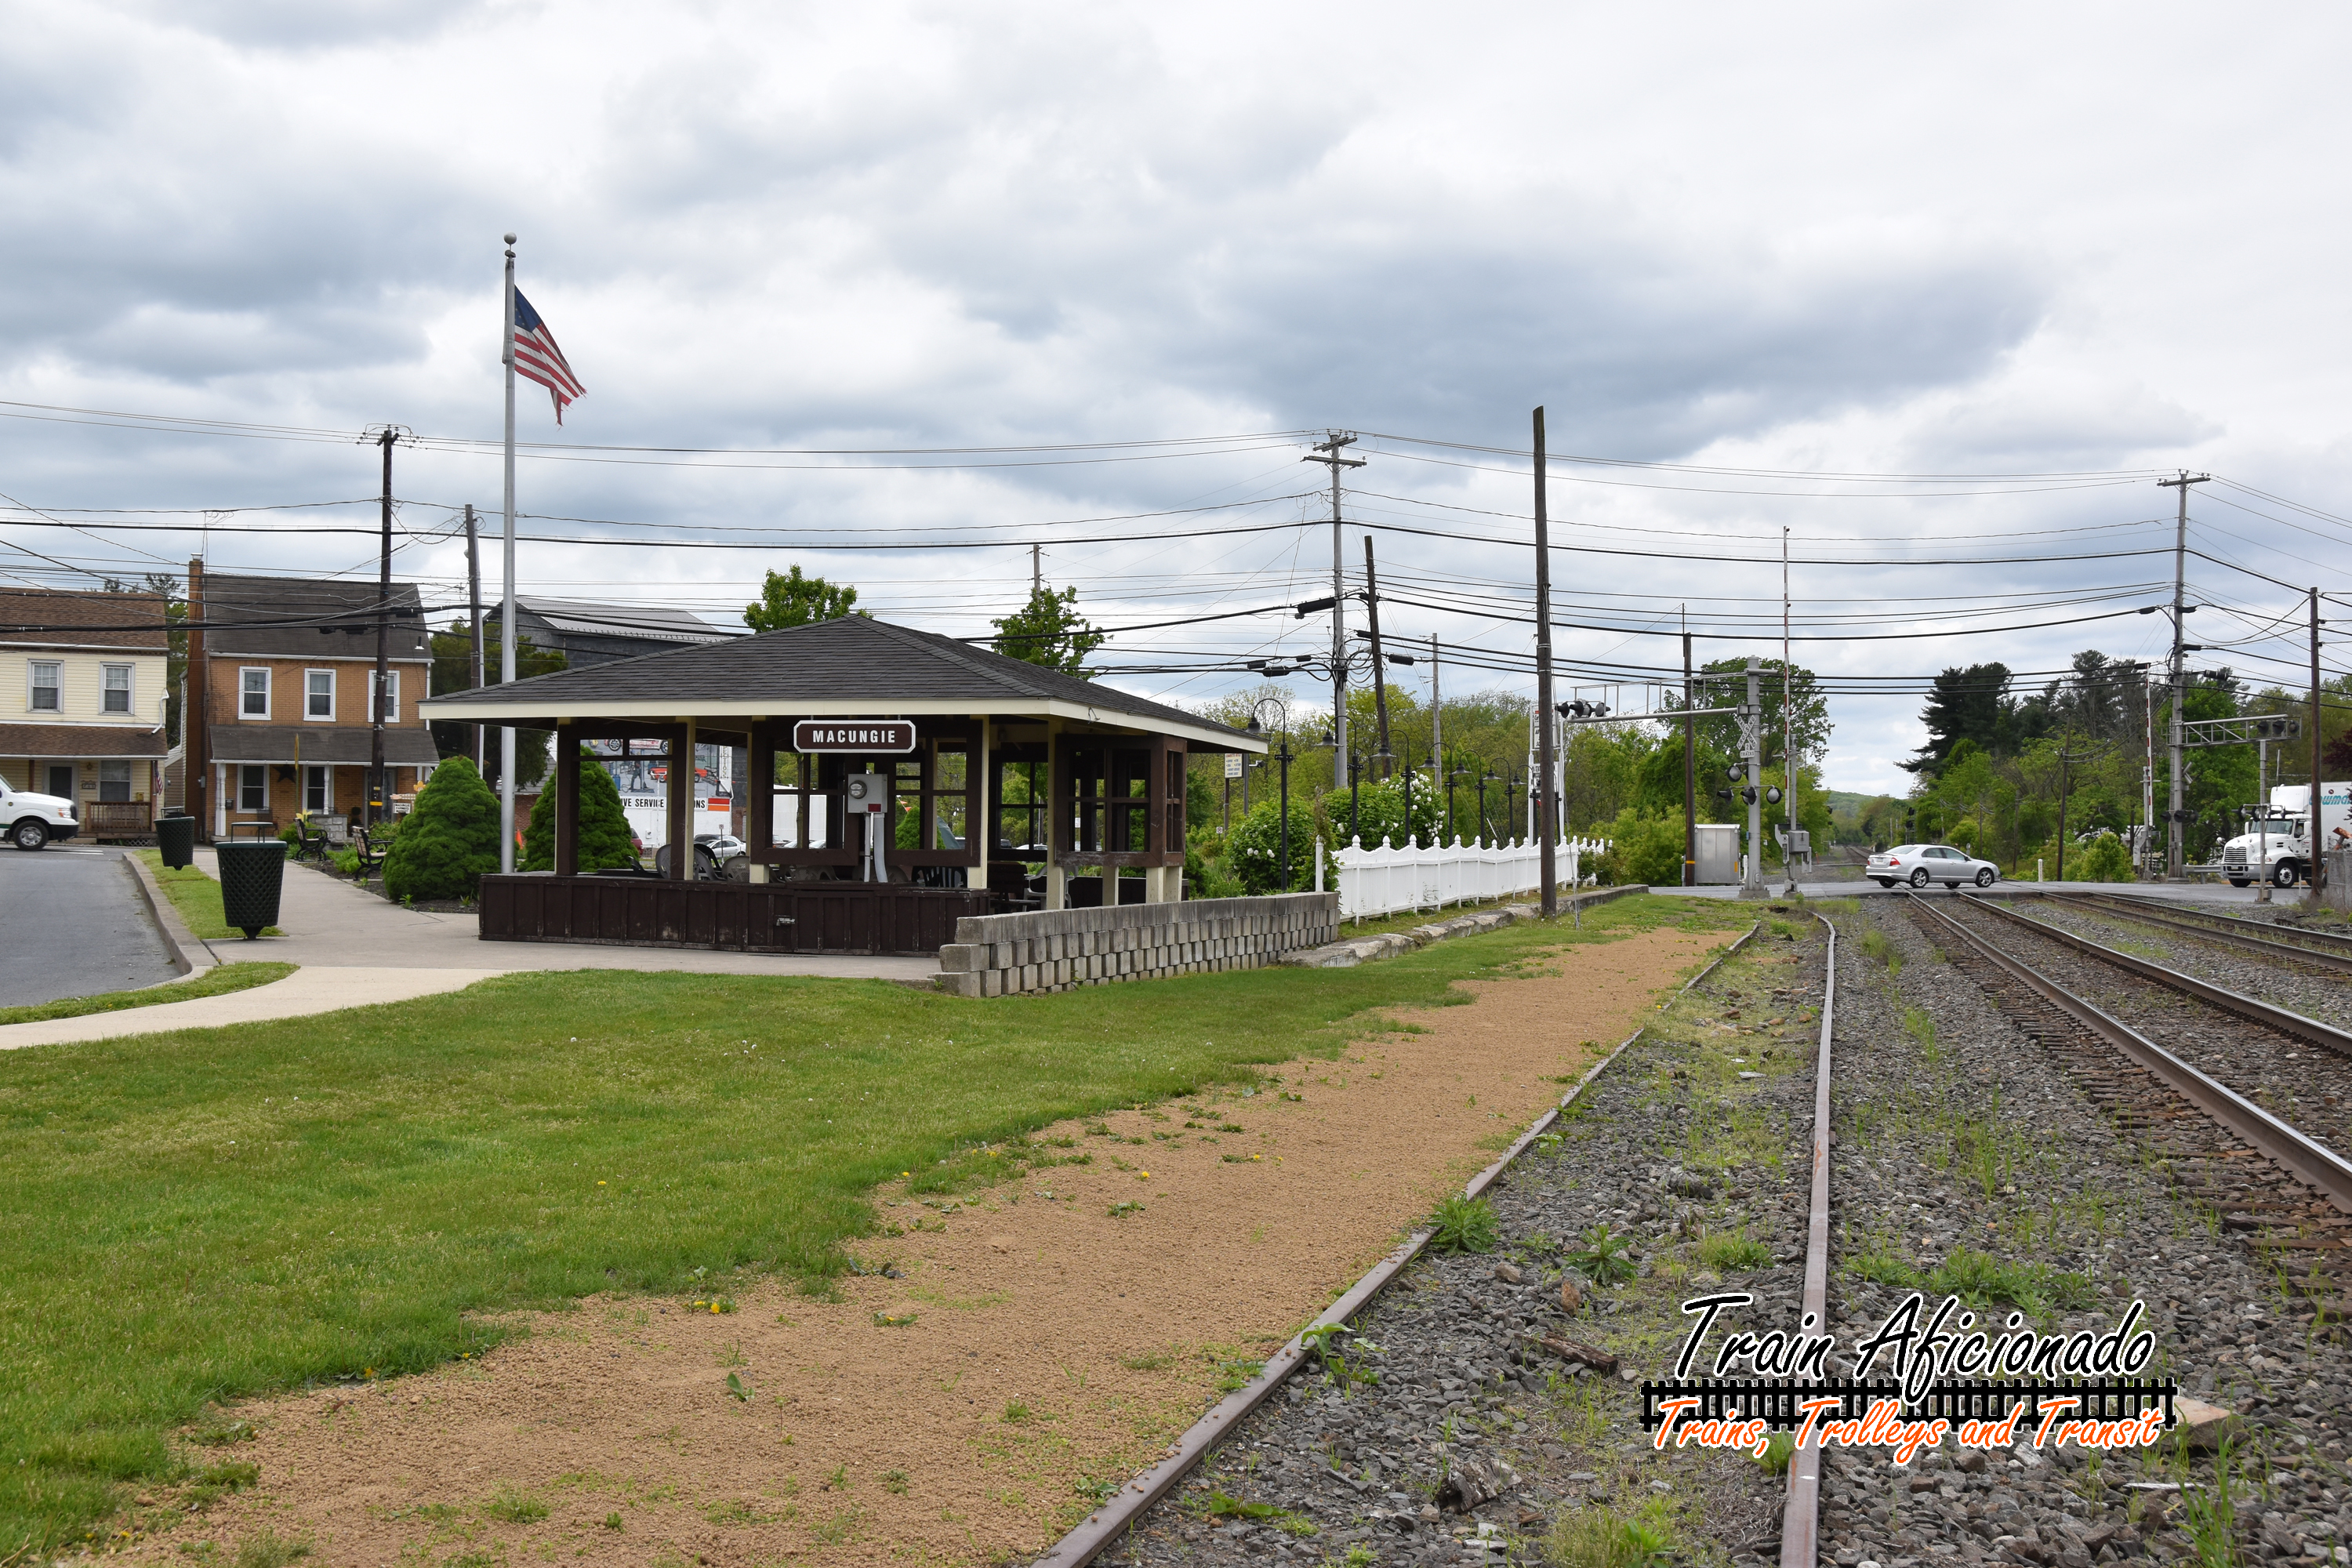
{"type": "Point", "coordinates": [506, 603]}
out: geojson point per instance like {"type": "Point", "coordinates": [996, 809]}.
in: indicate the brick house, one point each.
{"type": "Point", "coordinates": [83, 678]}
{"type": "Point", "coordinates": [279, 721]}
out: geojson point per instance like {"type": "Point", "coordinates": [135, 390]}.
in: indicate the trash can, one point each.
{"type": "Point", "coordinates": [252, 874]}
{"type": "Point", "coordinates": [176, 835]}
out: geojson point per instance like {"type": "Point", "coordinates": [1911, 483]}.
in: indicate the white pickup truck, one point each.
{"type": "Point", "coordinates": [2276, 845]}
{"type": "Point", "coordinates": [33, 820]}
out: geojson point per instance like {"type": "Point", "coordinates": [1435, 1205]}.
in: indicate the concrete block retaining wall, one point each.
{"type": "Point", "coordinates": [1055, 950]}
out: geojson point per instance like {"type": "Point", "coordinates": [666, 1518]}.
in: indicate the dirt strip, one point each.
{"type": "Point", "coordinates": [1027, 1342]}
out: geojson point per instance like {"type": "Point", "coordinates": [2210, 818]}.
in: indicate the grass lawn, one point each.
{"type": "Point", "coordinates": [197, 895]}
{"type": "Point", "coordinates": [210, 1214]}
{"type": "Point", "coordinates": [214, 982]}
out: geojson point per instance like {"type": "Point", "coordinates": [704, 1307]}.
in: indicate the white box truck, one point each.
{"type": "Point", "coordinates": [2277, 845]}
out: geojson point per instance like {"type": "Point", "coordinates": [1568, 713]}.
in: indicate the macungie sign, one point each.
{"type": "Point", "coordinates": [859, 737]}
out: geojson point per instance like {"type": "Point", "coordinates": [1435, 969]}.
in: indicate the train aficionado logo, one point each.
{"type": "Point", "coordinates": [1922, 1376]}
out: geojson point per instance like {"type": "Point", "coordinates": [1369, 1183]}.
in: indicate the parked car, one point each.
{"type": "Point", "coordinates": [723, 846]}
{"type": "Point", "coordinates": [32, 820]}
{"type": "Point", "coordinates": [1920, 864]}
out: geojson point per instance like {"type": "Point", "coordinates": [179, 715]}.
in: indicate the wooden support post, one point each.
{"type": "Point", "coordinates": [979, 832]}
{"type": "Point", "coordinates": [681, 803]}
{"type": "Point", "coordinates": [567, 802]}
{"type": "Point", "coordinates": [1058, 810]}
{"type": "Point", "coordinates": [759, 785]}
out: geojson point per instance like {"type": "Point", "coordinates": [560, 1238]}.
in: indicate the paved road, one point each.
{"type": "Point", "coordinates": [2181, 893]}
{"type": "Point", "coordinates": [72, 924]}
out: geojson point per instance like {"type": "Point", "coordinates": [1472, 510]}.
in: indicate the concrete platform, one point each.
{"type": "Point", "coordinates": [331, 924]}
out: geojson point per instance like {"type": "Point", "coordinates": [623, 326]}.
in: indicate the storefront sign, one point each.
{"type": "Point", "coordinates": [855, 737]}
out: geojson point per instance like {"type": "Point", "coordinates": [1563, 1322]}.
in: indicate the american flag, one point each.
{"type": "Point", "coordinates": [538, 359]}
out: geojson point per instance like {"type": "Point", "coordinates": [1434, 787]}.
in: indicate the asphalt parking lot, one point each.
{"type": "Point", "coordinates": [72, 924]}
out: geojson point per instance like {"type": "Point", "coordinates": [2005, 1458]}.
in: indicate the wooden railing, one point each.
{"type": "Point", "coordinates": [118, 819]}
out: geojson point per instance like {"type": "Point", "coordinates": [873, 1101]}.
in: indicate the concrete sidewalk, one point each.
{"type": "Point", "coordinates": [329, 923]}
{"type": "Point", "coordinates": [305, 992]}
{"type": "Point", "coordinates": [357, 950]}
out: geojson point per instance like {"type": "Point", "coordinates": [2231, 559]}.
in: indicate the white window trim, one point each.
{"type": "Point", "coordinates": [264, 671]}
{"type": "Point", "coordinates": [33, 668]}
{"type": "Point", "coordinates": [263, 810]}
{"type": "Point", "coordinates": [307, 716]}
{"type": "Point", "coordinates": [130, 689]}
{"type": "Point", "coordinates": [391, 691]}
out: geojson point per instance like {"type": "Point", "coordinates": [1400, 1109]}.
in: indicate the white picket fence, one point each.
{"type": "Point", "coordinates": [1383, 880]}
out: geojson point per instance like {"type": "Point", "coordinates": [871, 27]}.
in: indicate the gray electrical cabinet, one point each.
{"type": "Point", "coordinates": [1719, 854]}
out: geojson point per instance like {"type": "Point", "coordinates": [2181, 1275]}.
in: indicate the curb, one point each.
{"type": "Point", "coordinates": [1348, 953]}
{"type": "Point", "coordinates": [1103, 1527]}
{"type": "Point", "coordinates": [181, 943]}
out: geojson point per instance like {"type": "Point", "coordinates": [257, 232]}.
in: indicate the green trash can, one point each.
{"type": "Point", "coordinates": [252, 875]}
{"type": "Point", "coordinates": [176, 835]}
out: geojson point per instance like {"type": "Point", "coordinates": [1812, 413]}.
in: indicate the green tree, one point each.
{"type": "Point", "coordinates": [1049, 631]}
{"type": "Point", "coordinates": [1256, 849]}
{"type": "Point", "coordinates": [448, 841]}
{"type": "Point", "coordinates": [453, 670]}
{"type": "Point", "coordinates": [1644, 848]}
{"type": "Point", "coordinates": [794, 600]}
{"type": "Point", "coordinates": [1379, 814]}
{"type": "Point", "coordinates": [603, 828]}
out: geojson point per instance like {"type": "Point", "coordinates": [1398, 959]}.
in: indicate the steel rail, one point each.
{"type": "Point", "coordinates": [2228, 928]}
{"type": "Point", "coordinates": [1101, 1528]}
{"type": "Point", "coordinates": [1801, 1521]}
{"type": "Point", "coordinates": [2299, 1153]}
{"type": "Point", "coordinates": [2309, 1030]}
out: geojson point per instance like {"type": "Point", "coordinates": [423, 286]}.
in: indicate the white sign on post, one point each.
{"type": "Point", "coordinates": [1232, 764]}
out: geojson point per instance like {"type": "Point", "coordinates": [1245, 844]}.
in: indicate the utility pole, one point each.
{"type": "Point", "coordinates": [1751, 751]}
{"type": "Point", "coordinates": [474, 609]}
{"type": "Point", "coordinates": [1327, 451]}
{"type": "Point", "coordinates": [1690, 763]}
{"type": "Point", "coordinates": [379, 801]}
{"type": "Point", "coordinates": [1788, 725]}
{"type": "Point", "coordinates": [2180, 648]}
{"type": "Point", "coordinates": [1380, 664]}
{"type": "Point", "coordinates": [2314, 805]}
{"type": "Point", "coordinates": [1545, 824]}
{"type": "Point", "coordinates": [1437, 735]}
{"type": "Point", "coordinates": [1037, 570]}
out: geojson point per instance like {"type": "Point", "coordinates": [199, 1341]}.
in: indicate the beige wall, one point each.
{"type": "Point", "coordinates": [32, 773]}
{"type": "Point", "coordinates": [82, 681]}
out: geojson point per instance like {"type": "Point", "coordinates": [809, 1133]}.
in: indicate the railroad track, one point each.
{"type": "Point", "coordinates": [2202, 1078]}
{"type": "Point", "coordinates": [2319, 950]}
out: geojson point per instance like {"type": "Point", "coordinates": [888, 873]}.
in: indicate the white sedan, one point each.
{"type": "Point", "coordinates": [1920, 864]}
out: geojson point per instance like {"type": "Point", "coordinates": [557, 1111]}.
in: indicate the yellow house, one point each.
{"type": "Point", "coordinates": [82, 688]}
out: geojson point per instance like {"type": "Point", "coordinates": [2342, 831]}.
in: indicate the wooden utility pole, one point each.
{"type": "Point", "coordinates": [2314, 805]}
{"type": "Point", "coordinates": [195, 713]}
{"type": "Point", "coordinates": [1544, 813]}
{"type": "Point", "coordinates": [1380, 665]}
{"type": "Point", "coordinates": [2180, 649]}
{"type": "Point", "coordinates": [1690, 764]}
{"type": "Point", "coordinates": [474, 605]}
{"type": "Point", "coordinates": [1037, 570]}
{"type": "Point", "coordinates": [1437, 736]}
{"type": "Point", "coordinates": [379, 788]}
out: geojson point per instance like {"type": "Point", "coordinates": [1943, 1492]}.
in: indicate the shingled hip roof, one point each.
{"type": "Point", "coordinates": [852, 665]}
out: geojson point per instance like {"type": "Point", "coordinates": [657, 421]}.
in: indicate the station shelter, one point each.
{"type": "Point", "coordinates": [912, 780]}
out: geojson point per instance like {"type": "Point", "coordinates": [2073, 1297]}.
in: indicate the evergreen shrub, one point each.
{"type": "Point", "coordinates": [447, 840]}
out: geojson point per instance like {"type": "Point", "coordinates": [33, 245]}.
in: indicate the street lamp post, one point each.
{"type": "Point", "coordinates": [1283, 756]}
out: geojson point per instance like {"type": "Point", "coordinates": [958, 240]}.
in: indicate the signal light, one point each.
{"type": "Point", "coordinates": [1748, 795]}
{"type": "Point", "coordinates": [1772, 795]}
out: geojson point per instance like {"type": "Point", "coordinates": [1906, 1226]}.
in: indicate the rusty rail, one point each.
{"type": "Point", "coordinates": [2304, 1157]}
{"type": "Point", "coordinates": [1800, 1520]}
{"type": "Point", "coordinates": [1099, 1530]}
{"type": "Point", "coordinates": [2228, 930]}
{"type": "Point", "coordinates": [2309, 1030]}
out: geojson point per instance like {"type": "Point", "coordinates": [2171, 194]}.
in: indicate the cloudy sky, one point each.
{"type": "Point", "coordinates": [1803, 256]}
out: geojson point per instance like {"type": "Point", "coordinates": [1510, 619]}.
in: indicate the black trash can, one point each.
{"type": "Point", "coordinates": [176, 835]}
{"type": "Point", "coordinates": [252, 874]}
